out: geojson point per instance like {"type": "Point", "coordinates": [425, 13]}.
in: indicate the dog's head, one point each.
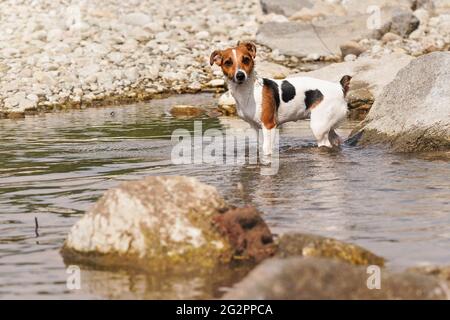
{"type": "Point", "coordinates": [237, 63]}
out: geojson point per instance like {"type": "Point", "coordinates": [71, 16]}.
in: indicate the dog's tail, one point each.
{"type": "Point", "coordinates": [345, 83]}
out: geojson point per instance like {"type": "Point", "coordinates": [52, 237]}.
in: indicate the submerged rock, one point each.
{"type": "Point", "coordinates": [442, 272]}
{"type": "Point", "coordinates": [412, 113]}
{"type": "Point", "coordinates": [296, 244]}
{"type": "Point", "coordinates": [166, 223]}
{"type": "Point", "coordinates": [317, 278]}
{"type": "Point", "coordinates": [186, 110]}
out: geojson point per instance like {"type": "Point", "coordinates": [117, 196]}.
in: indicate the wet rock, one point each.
{"type": "Point", "coordinates": [296, 244]}
{"type": "Point", "coordinates": [370, 76]}
{"type": "Point", "coordinates": [186, 110]}
{"type": "Point", "coordinates": [316, 278]}
{"type": "Point", "coordinates": [412, 113]}
{"type": "Point", "coordinates": [164, 223]}
{"type": "Point", "coordinates": [227, 110]}
{"type": "Point", "coordinates": [284, 7]}
{"type": "Point", "coordinates": [235, 223]}
{"type": "Point", "coordinates": [442, 272]}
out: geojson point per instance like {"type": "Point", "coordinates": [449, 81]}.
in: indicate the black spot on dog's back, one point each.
{"type": "Point", "coordinates": [287, 91]}
{"type": "Point", "coordinates": [313, 98]}
{"type": "Point", "coordinates": [272, 85]}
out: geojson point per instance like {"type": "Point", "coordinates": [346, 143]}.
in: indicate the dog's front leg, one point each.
{"type": "Point", "coordinates": [268, 140]}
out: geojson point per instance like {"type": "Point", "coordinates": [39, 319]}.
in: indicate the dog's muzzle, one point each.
{"type": "Point", "coordinates": [240, 76]}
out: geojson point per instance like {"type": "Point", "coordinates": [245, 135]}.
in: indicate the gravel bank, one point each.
{"type": "Point", "coordinates": [76, 53]}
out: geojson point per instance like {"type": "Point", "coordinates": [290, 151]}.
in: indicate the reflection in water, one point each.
{"type": "Point", "coordinates": [53, 167]}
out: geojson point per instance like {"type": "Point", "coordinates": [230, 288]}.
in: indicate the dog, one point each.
{"type": "Point", "coordinates": [268, 103]}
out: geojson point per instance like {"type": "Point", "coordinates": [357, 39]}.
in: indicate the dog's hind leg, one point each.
{"type": "Point", "coordinates": [334, 138]}
{"type": "Point", "coordinates": [321, 131]}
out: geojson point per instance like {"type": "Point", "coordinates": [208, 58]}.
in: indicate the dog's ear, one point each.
{"type": "Point", "coordinates": [216, 57]}
{"type": "Point", "coordinates": [250, 46]}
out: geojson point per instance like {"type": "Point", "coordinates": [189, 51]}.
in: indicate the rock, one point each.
{"type": "Point", "coordinates": [442, 272]}
{"type": "Point", "coordinates": [412, 113]}
{"type": "Point", "coordinates": [186, 111]}
{"type": "Point", "coordinates": [284, 7]}
{"type": "Point", "coordinates": [349, 58]}
{"type": "Point", "coordinates": [89, 70]}
{"type": "Point", "coordinates": [272, 70]}
{"type": "Point", "coordinates": [389, 37]}
{"type": "Point", "coordinates": [296, 244]}
{"type": "Point", "coordinates": [137, 19]}
{"type": "Point", "coordinates": [351, 47]}
{"type": "Point", "coordinates": [301, 39]}
{"type": "Point", "coordinates": [404, 23]}
{"type": "Point", "coordinates": [226, 99]}
{"type": "Point", "coordinates": [166, 223]}
{"type": "Point", "coordinates": [258, 244]}
{"type": "Point", "coordinates": [216, 83]}
{"type": "Point", "coordinates": [316, 278]}
{"type": "Point", "coordinates": [131, 74]}
{"type": "Point", "coordinates": [370, 76]}
{"type": "Point", "coordinates": [227, 110]}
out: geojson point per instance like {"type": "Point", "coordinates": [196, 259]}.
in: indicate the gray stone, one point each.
{"type": "Point", "coordinates": [316, 278]}
{"type": "Point", "coordinates": [137, 19]}
{"type": "Point", "coordinates": [412, 113]}
{"type": "Point", "coordinates": [404, 23]}
{"type": "Point", "coordinates": [284, 7]}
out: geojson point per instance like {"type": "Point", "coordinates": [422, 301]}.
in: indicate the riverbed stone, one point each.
{"type": "Point", "coordinates": [300, 278]}
{"type": "Point", "coordinates": [308, 245]}
{"type": "Point", "coordinates": [166, 223]}
{"type": "Point", "coordinates": [412, 113]}
{"type": "Point", "coordinates": [183, 110]}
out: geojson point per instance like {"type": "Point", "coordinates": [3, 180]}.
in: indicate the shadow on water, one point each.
{"type": "Point", "coordinates": [53, 167]}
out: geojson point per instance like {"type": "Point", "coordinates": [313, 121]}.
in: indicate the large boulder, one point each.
{"type": "Point", "coordinates": [167, 223]}
{"type": "Point", "coordinates": [308, 245]}
{"type": "Point", "coordinates": [316, 278]}
{"type": "Point", "coordinates": [413, 111]}
{"type": "Point", "coordinates": [305, 39]}
{"type": "Point", "coordinates": [370, 76]}
{"type": "Point", "coordinates": [312, 31]}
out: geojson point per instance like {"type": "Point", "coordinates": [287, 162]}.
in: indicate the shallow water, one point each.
{"type": "Point", "coordinates": [54, 166]}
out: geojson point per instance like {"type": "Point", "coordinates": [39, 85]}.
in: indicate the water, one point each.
{"type": "Point", "coordinates": [54, 166]}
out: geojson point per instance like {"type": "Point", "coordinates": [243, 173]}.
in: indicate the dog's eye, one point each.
{"type": "Point", "coordinates": [246, 60]}
{"type": "Point", "coordinates": [228, 63]}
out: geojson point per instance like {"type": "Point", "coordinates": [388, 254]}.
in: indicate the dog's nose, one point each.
{"type": "Point", "coordinates": [240, 76]}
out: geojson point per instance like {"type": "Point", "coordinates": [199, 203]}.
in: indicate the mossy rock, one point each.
{"type": "Point", "coordinates": [296, 244]}
{"type": "Point", "coordinates": [165, 223]}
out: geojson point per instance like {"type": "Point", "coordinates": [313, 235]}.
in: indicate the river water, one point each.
{"type": "Point", "coordinates": [54, 166]}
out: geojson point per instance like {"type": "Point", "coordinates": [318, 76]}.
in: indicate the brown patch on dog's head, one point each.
{"type": "Point", "coordinates": [234, 59]}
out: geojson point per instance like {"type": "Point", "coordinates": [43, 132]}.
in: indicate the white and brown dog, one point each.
{"type": "Point", "coordinates": [268, 103]}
